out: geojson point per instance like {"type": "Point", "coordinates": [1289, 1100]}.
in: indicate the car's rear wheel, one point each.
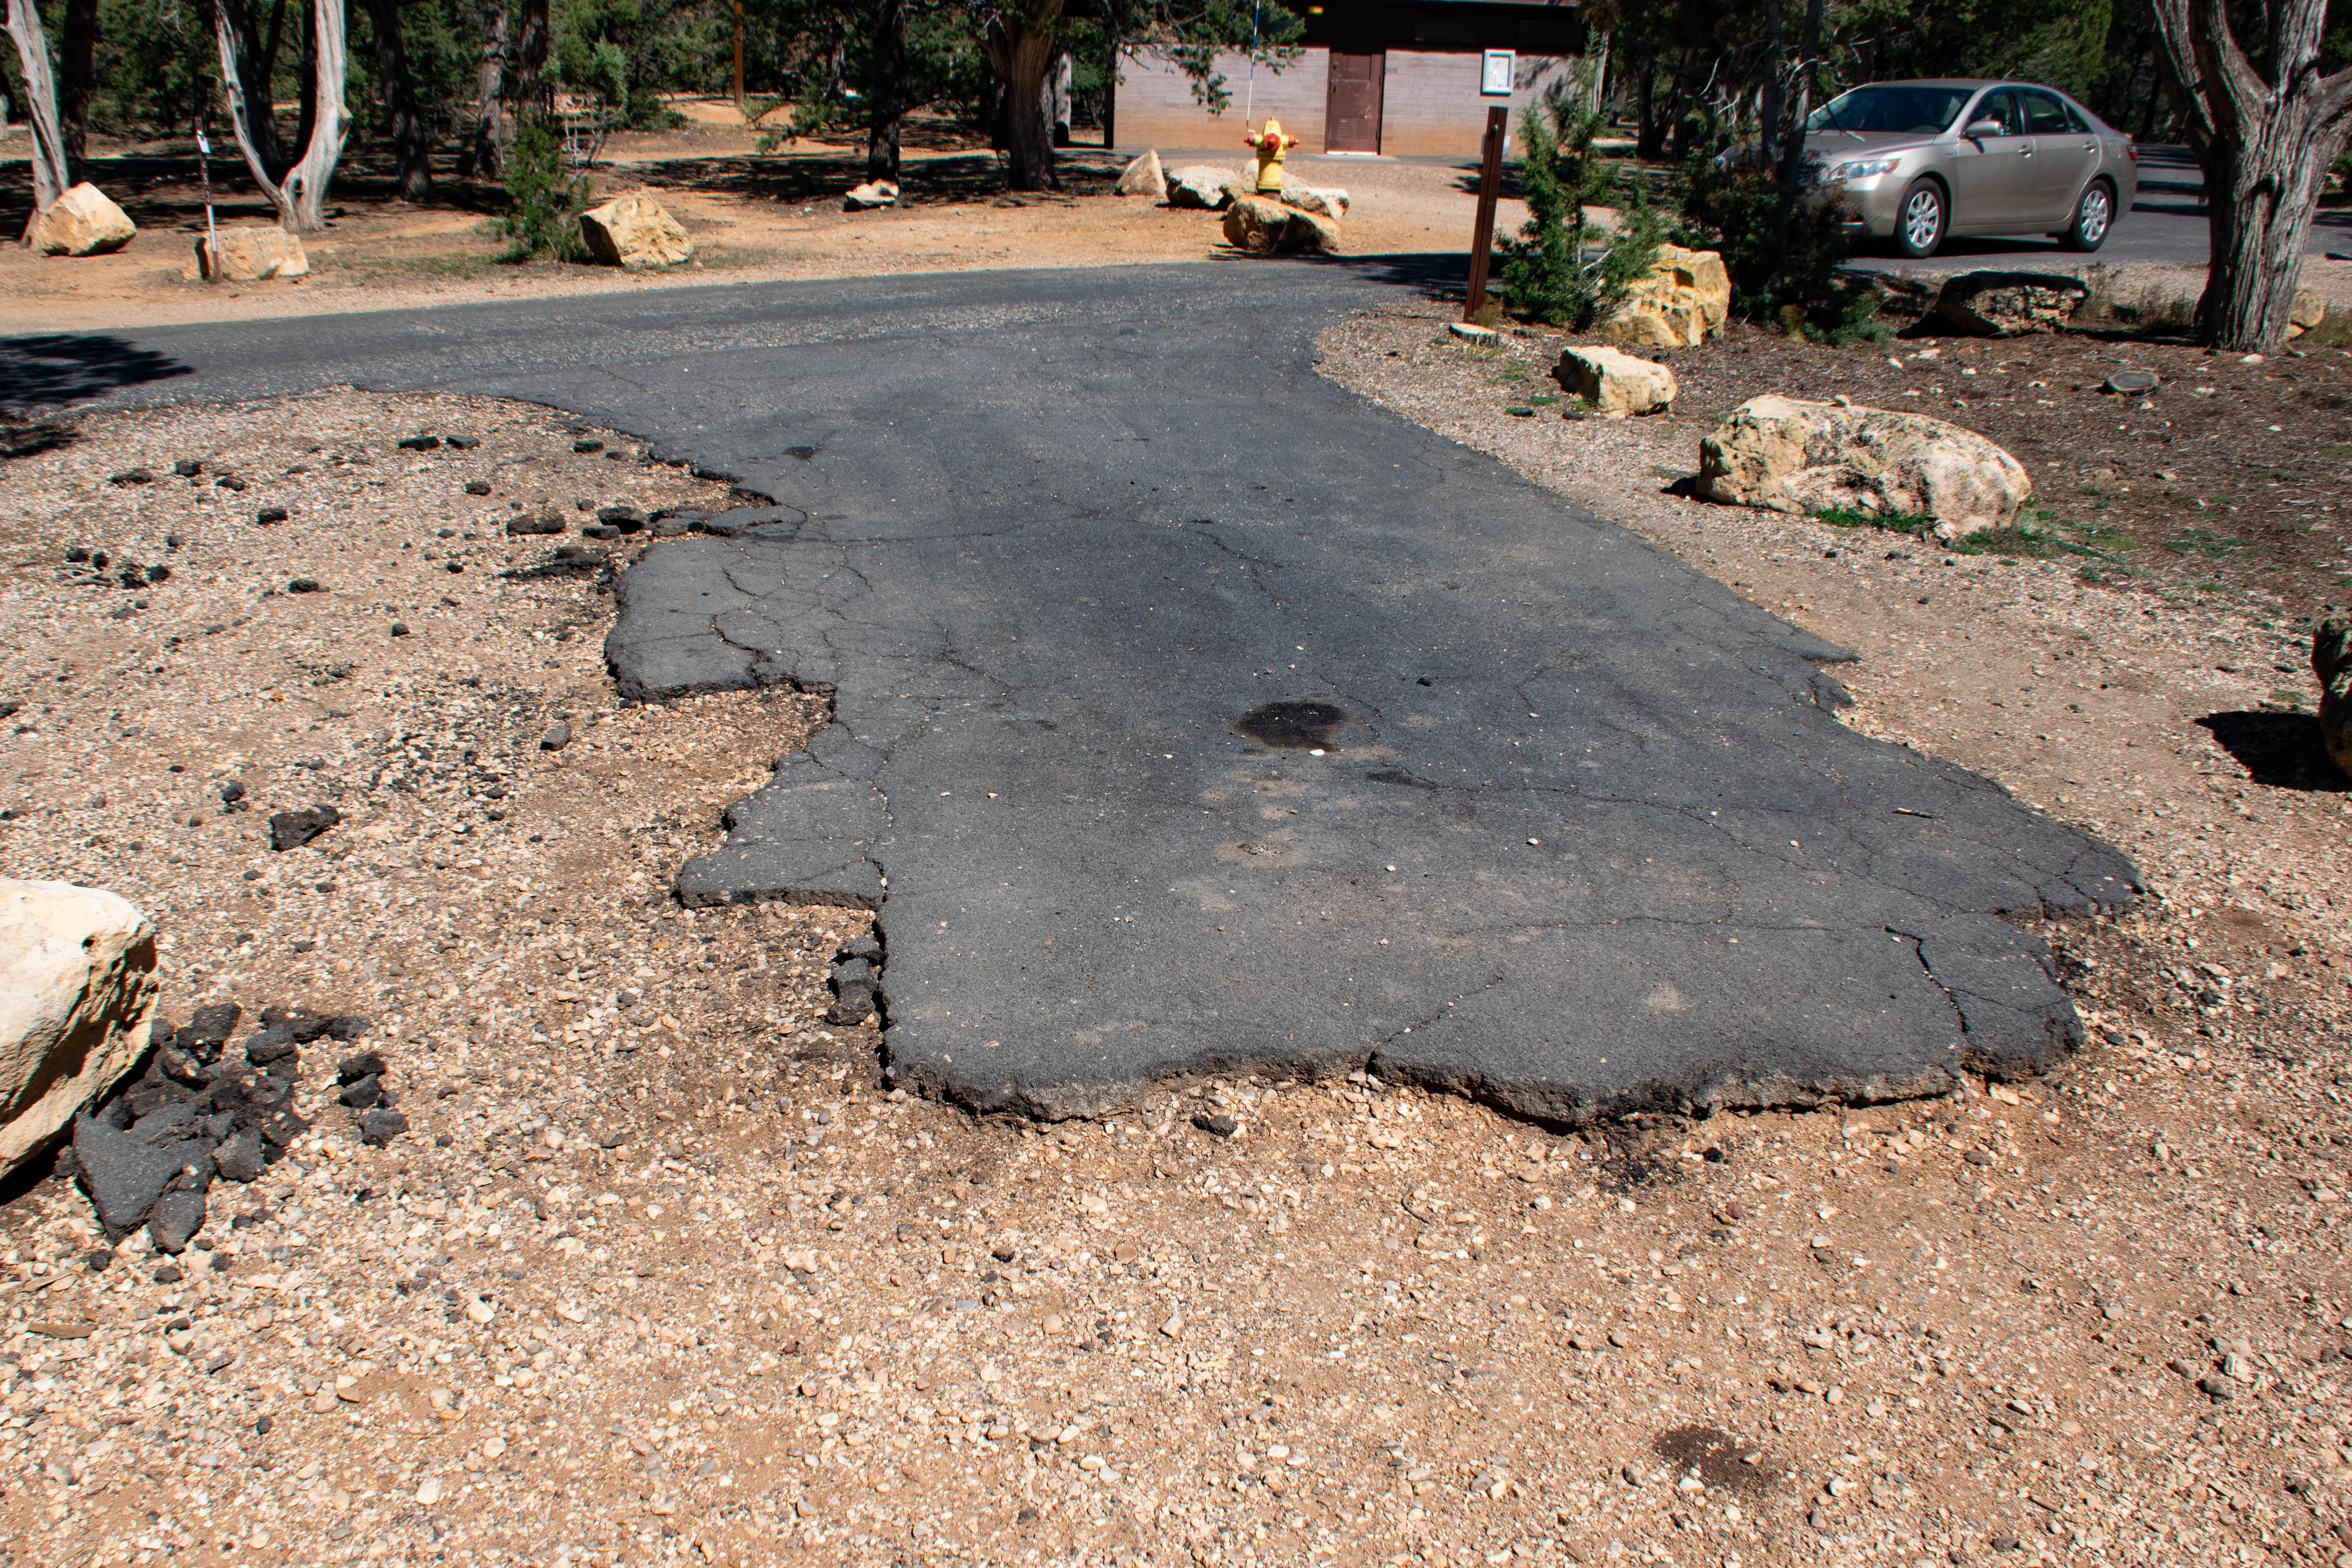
{"type": "Point", "coordinates": [1919, 221]}
{"type": "Point", "coordinates": [2095, 215]}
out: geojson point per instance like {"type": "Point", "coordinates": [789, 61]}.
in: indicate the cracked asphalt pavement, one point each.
{"type": "Point", "coordinates": [1193, 714]}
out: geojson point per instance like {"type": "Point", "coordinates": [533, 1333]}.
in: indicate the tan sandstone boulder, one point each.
{"type": "Point", "coordinates": [1322, 202]}
{"type": "Point", "coordinates": [77, 997]}
{"type": "Point", "coordinates": [1202, 185]}
{"type": "Point", "coordinates": [1683, 301]}
{"type": "Point", "coordinates": [632, 231]}
{"type": "Point", "coordinates": [1144, 177]}
{"type": "Point", "coordinates": [1269, 228]}
{"type": "Point", "coordinates": [1806, 457]}
{"type": "Point", "coordinates": [83, 221]}
{"type": "Point", "coordinates": [1614, 383]}
{"type": "Point", "coordinates": [1996, 304]}
{"type": "Point", "coordinates": [2307, 311]}
{"type": "Point", "coordinates": [247, 256]}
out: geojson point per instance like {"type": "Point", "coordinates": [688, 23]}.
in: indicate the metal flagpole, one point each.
{"type": "Point", "coordinates": [1249, 97]}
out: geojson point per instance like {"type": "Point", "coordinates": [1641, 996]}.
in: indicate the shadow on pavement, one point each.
{"type": "Point", "coordinates": [67, 367]}
{"type": "Point", "coordinates": [2280, 751]}
{"type": "Point", "coordinates": [1435, 275]}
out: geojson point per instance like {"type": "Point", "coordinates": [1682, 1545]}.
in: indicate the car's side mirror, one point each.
{"type": "Point", "coordinates": [1982, 128]}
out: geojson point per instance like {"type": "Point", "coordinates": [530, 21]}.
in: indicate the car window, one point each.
{"type": "Point", "coordinates": [2076, 119]}
{"type": "Point", "coordinates": [2044, 115]}
{"type": "Point", "coordinates": [1998, 106]}
{"type": "Point", "coordinates": [1891, 109]}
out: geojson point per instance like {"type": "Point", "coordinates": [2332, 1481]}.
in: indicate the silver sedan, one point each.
{"type": "Point", "coordinates": [1917, 161]}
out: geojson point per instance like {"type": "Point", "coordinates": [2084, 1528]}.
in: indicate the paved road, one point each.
{"type": "Point", "coordinates": [1193, 714]}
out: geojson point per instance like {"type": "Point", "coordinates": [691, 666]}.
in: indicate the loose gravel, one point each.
{"type": "Point", "coordinates": [663, 1270]}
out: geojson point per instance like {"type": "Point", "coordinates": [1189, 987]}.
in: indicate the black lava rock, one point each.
{"type": "Point", "coordinates": [478, 486]}
{"type": "Point", "coordinates": [176, 1217]}
{"type": "Point", "coordinates": [1216, 1126]}
{"type": "Point", "coordinates": [381, 1127]}
{"type": "Point", "coordinates": [545, 522]}
{"type": "Point", "coordinates": [601, 531]}
{"type": "Point", "coordinates": [363, 1094]}
{"type": "Point", "coordinates": [367, 1063]}
{"type": "Point", "coordinates": [268, 515]}
{"type": "Point", "coordinates": [852, 987]}
{"type": "Point", "coordinates": [228, 482]}
{"type": "Point", "coordinates": [133, 476]}
{"type": "Point", "coordinates": [270, 1046]}
{"type": "Point", "coordinates": [304, 586]}
{"type": "Point", "coordinates": [125, 1171]}
{"type": "Point", "coordinates": [292, 830]}
{"type": "Point", "coordinates": [419, 443]}
{"type": "Point", "coordinates": [587, 445]}
{"type": "Point", "coordinates": [214, 1022]}
{"type": "Point", "coordinates": [457, 443]}
{"type": "Point", "coordinates": [232, 792]}
{"type": "Point", "coordinates": [239, 1158]}
{"type": "Point", "coordinates": [187, 468]}
{"type": "Point", "coordinates": [347, 1027]}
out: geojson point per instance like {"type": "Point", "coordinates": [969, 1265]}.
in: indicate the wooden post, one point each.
{"type": "Point", "coordinates": [1490, 186]}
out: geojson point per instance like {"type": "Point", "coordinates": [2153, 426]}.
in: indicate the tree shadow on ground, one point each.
{"type": "Point", "coordinates": [1442, 275]}
{"type": "Point", "coordinates": [820, 178]}
{"type": "Point", "coordinates": [2279, 751]}
{"type": "Point", "coordinates": [55, 368]}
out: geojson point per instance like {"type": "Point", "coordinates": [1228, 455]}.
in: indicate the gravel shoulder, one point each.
{"type": "Point", "coordinates": [664, 1272]}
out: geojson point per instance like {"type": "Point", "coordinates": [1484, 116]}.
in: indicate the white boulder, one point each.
{"type": "Point", "coordinates": [1202, 185]}
{"type": "Point", "coordinates": [634, 231]}
{"type": "Point", "coordinates": [76, 999]}
{"type": "Point", "coordinates": [871, 195]}
{"type": "Point", "coordinates": [1143, 177]}
{"type": "Point", "coordinates": [1614, 383]}
{"type": "Point", "coordinates": [1786, 454]}
{"type": "Point", "coordinates": [83, 221]}
{"type": "Point", "coordinates": [247, 256]}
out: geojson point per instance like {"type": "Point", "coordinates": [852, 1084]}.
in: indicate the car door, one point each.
{"type": "Point", "coordinates": [1992, 173]}
{"type": "Point", "coordinates": [2062, 157]}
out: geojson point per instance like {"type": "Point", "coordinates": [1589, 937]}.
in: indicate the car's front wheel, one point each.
{"type": "Point", "coordinates": [2095, 215]}
{"type": "Point", "coordinates": [1919, 224]}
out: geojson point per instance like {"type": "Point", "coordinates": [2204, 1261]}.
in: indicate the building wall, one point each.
{"type": "Point", "coordinates": [1156, 107]}
{"type": "Point", "coordinates": [1431, 102]}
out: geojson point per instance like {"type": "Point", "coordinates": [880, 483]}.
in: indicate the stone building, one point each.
{"type": "Point", "coordinates": [1379, 76]}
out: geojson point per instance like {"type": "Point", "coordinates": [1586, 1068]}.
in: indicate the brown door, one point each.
{"type": "Point", "coordinates": [1351, 120]}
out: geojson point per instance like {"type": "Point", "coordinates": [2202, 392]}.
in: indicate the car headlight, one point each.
{"type": "Point", "coordinates": [1863, 168]}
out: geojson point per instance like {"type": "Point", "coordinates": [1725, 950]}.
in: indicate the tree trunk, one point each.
{"type": "Point", "coordinates": [1792, 153]}
{"type": "Point", "coordinates": [77, 79]}
{"type": "Point", "coordinates": [412, 148]}
{"type": "Point", "coordinates": [482, 159]}
{"type": "Point", "coordinates": [51, 174]}
{"type": "Point", "coordinates": [1768, 109]}
{"type": "Point", "coordinates": [257, 62]}
{"type": "Point", "coordinates": [1649, 135]}
{"type": "Point", "coordinates": [2266, 151]}
{"type": "Point", "coordinates": [300, 197]}
{"type": "Point", "coordinates": [885, 93]}
{"type": "Point", "coordinates": [306, 101]}
{"type": "Point", "coordinates": [530, 51]}
{"type": "Point", "coordinates": [1020, 46]}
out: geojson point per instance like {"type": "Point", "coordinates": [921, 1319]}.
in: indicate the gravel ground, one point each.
{"type": "Point", "coordinates": [664, 1272]}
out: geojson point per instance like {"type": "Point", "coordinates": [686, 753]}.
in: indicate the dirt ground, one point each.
{"type": "Point", "coordinates": [664, 1272]}
{"type": "Point", "coordinates": [751, 216]}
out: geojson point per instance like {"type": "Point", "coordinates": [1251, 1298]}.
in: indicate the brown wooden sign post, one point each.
{"type": "Point", "coordinates": [1490, 186]}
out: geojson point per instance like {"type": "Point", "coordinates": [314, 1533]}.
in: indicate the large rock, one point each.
{"type": "Point", "coordinates": [1322, 202]}
{"type": "Point", "coordinates": [247, 256]}
{"type": "Point", "coordinates": [83, 221]}
{"type": "Point", "coordinates": [632, 231]}
{"type": "Point", "coordinates": [1683, 300]}
{"type": "Point", "coordinates": [1806, 457]}
{"type": "Point", "coordinates": [1143, 177]}
{"type": "Point", "coordinates": [76, 999]}
{"type": "Point", "coordinates": [1268, 229]}
{"type": "Point", "coordinates": [871, 195]}
{"type": "Point", "coordinates": [1614, 383]}
{"type": "Point", "coordinates": [2331, 660]}
{"type": "Point", "coordinates": [2307, 311]}
{"type": "Point", "coordinates": [1202, 185]}
{"type": "Point", "coordinates": [1995, 304]}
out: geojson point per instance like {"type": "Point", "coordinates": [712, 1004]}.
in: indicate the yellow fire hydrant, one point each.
{"type": "Point", "coordinates": [1271, 144]}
